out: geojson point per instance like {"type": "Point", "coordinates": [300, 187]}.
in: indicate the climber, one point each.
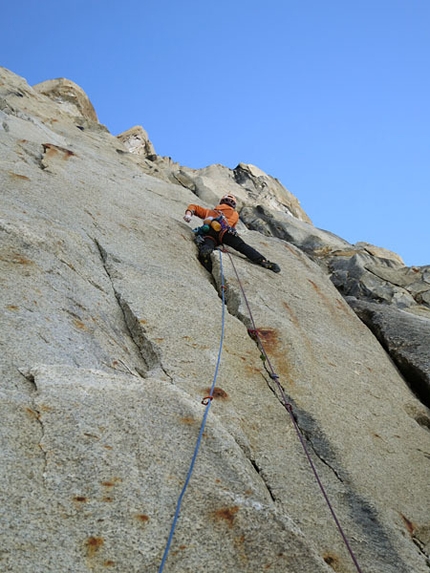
{"type": "Point", "coordinates": [219, 229]}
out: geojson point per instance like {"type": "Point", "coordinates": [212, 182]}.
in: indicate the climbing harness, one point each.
{"type": "Point", "coordinates": [207, 401]}
{"type": "Point", "coordinates": [255, 335]}
{"type": "Point", "coordinates": [218, 224]}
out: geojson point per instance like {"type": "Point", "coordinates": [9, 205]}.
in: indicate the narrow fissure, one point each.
{"type": "Point", "coordinates": [421, 548]}
{"type": "Point", "coordinates": [233, 304]}
{"type": "Point", "coordinates": [146, 349]}
{"type": "Point", "coordinates": [260, 473]}
{"type": "Point", "coordinates": [300, 415]}
{"type": "Point", "coordinates": [320, 457]}
{"type": "Point", "coordinates": [37, 416]}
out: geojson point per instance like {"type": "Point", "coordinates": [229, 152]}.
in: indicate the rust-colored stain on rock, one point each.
{"type": "Point", "coordinates": [253, 370]}
{"type": "Point", "coordinates": [51, 150]}
{"type": "Point", "coordinates": [293, 316]}
{"type": "Point", "coordinates": [17, 259]}
{"type": "Point", "coordinates": [93, 544]}
{"type": "Point", "coordinates": [332, 560]}
{"type": "Point", "coordinates": [338, 304]}
{"type": "Point", "coordinates": [227, 514]}
{"type": "Point", "coordinates": [112, 483]}
{"type": "Point", "coordinates": [269, 337]}
{"type": "Point", "coordinates": [271, 341]}
{"type": "Point", "coordinates": [409, 525]}
{"type": "Point", "coordinates": [32, 413]}
{"type": "Point", "coordinates": [19, 176]}
{"type": "Point", "coordinates": [79, 324]}
{"type": "Point", "coordinates": [314, 285]}
{"type": "Point", "coordinates": [341, 305]}
{"type": "Point", "coordinates": [295, 252]}
{"type": "Point", "coordinates": [218, 393]}
{"type": "Point", "coordinates": [143, 517]}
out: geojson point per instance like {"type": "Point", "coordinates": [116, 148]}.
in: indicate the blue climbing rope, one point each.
{"type": "Point", "coordinates": [207, 402]}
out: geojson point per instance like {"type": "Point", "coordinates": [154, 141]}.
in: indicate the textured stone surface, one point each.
{"type": "Point", "coordinates": [406, 337]}
{"type": "Point", "coordinates": [249, 184]}
{"type": "Point", "coordinates": [136, 140]}
{"type": "Point", "coordinates": [300, 233]}
{"type": "Point", "coordinates": [110, 336]}
{"type": "Point", "coordinates": [69, 96]}
{"type": "Point", "coordinates": [366, 274]}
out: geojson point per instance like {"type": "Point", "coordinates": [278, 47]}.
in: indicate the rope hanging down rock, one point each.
{"type": "Point", "coordinates": [253, 332]}
{"type": "Point", "coordinates": [207, 401]}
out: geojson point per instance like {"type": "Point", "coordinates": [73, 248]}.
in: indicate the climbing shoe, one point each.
{"type": "Point", "coordinates": [269, 265]}
{"type": "Point", "coordinates": [206, 260]}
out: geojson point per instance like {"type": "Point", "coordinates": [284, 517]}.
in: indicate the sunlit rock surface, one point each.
{"type": "Point", "coordinates": [110, 336]}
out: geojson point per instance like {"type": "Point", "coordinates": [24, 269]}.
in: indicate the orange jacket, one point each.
{"type": "Point", "coordinates": [229, 213]}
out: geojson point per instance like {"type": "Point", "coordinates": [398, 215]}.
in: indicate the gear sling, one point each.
{"type": "Point", "coordinates": [214, 232]}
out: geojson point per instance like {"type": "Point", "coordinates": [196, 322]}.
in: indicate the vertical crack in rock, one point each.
{"type": "Point", "coordinates": [147, 350]}
{"type": "Point", "coordinates": [305, 423]}
{"type": "Point", "coordinates": [421, 547]}
{"type": "Point", "coordinates": [263, 478]}
{"type": "Point", "coordinates": [36, 414]}
{"type": "Point", "coordinates": [311, 432]}
{"type": "Point", "coordinates": [420, 535]}
{"type": "Point", "coordinates": [315, 439]}
{"type": "Point", "coordinates": [232, 305]}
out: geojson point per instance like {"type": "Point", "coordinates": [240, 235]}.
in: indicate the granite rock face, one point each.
{"type": "Point", "coordinates": [69, 96]}
{"type": "Point", "coordinates": [405, 336]}
{"type": "Point", "coordinates": [110, 337]}
{"type": "Point", "coordinates": [136, 140]}
{"type": "Point", "coordinates": [392, 299]}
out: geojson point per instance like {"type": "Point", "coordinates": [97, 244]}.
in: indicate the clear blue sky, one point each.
{"type": "Point", "coordinates": [331, 97]}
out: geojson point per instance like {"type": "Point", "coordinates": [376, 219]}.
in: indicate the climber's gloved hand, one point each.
{"type": "Point", "coordinates": [187, 216]}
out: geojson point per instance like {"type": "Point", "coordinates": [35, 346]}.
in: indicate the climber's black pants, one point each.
{"type": "Point", "coordinates": [231, 239]}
